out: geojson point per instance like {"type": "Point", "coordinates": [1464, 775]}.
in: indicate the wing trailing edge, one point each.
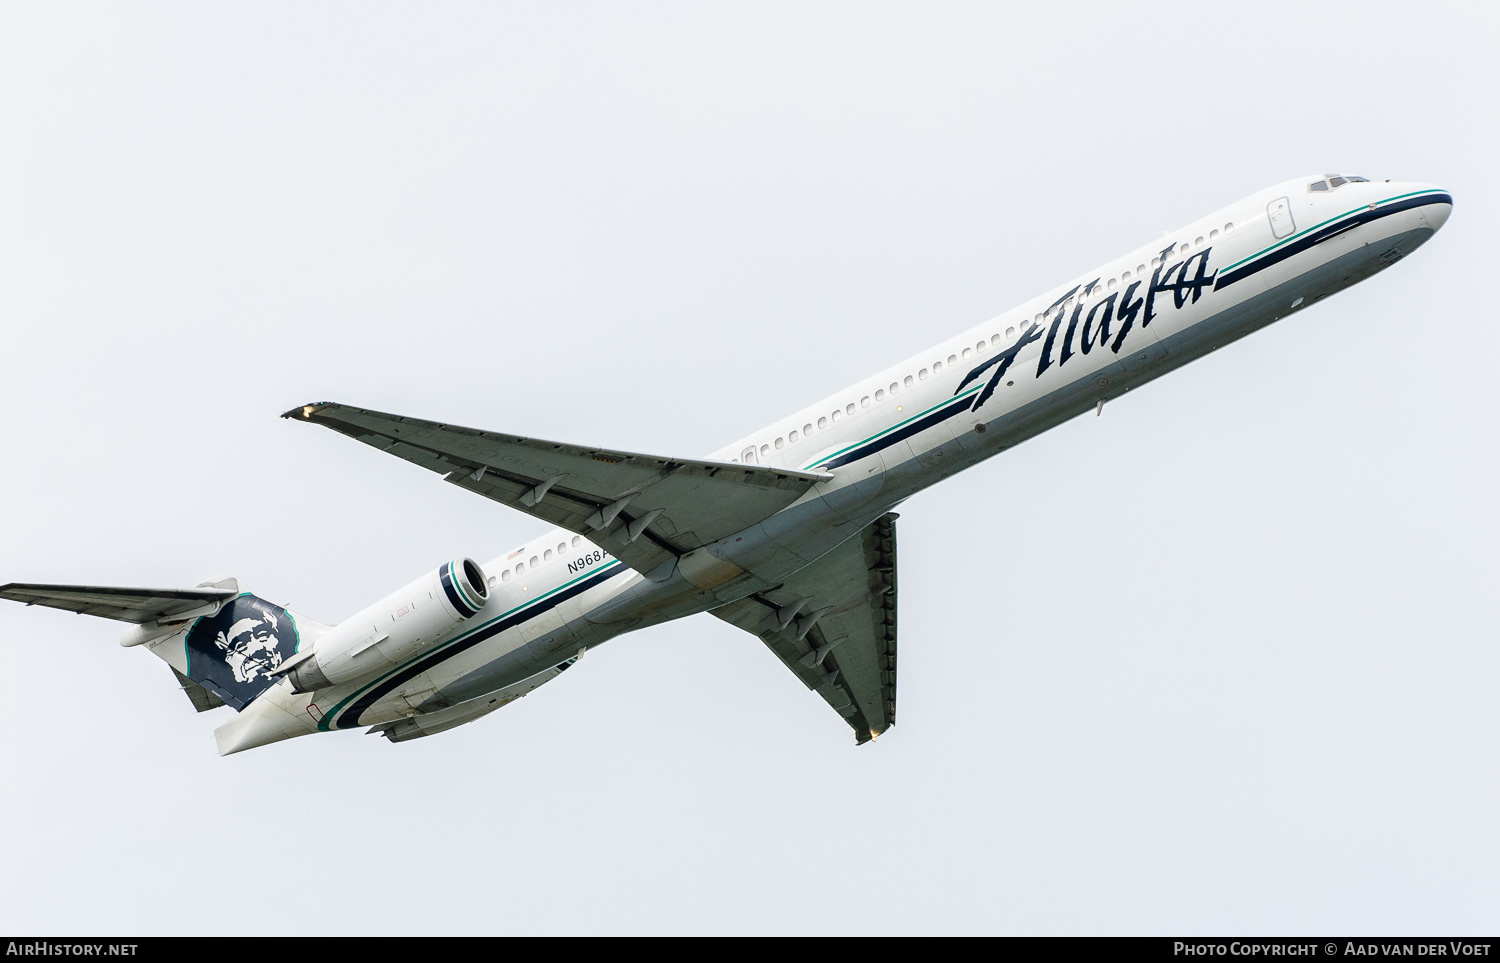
{"type": "Point", "coordinates": [833, 624]}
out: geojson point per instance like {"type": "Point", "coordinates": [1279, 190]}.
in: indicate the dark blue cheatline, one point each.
{"type": "Point", "coordinates": [1326, 232]}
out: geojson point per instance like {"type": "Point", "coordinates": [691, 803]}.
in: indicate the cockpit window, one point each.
{"type": "Point", "coordinates": [1335, 181]}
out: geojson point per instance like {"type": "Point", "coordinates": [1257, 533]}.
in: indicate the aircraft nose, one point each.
{"type": "Point", "coordinates": [1436, 215]}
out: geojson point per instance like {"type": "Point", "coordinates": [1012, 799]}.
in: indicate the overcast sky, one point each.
{"type": "Point", "coordinates": [1222, 660]}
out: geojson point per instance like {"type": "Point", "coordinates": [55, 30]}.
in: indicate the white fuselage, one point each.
{"type": "Point", "coordinates": [904, 428]}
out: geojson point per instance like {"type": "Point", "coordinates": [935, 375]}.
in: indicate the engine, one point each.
{"type": "Point", "coordinates": [395, 628]}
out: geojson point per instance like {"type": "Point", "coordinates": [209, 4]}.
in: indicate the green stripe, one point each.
{"type": "Point", "coordinates": [458, 586]}
{"type": "Point", "coordinates": [1230, 267]}
{"type": "Point", "coordinates": [886, 431]}
{"type": "Point", "coordinates": [1352, 210]}
{"type": "Point", "coordinates": [328, 716]}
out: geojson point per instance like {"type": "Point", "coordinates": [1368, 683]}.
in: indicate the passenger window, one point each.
{"type": "Point", "coordinates": [807, 429]}
{"type": "Point", "coordinates": [894, 387]}
{"type": "Point", "coordinates": [780, 443]}
{"type": "Point", "coordinates": [535, 561]}
{"type": "Point", "coordinates": [908, 381]}
{"type": "Point", "coordinates": [1198, 242]}
{"type": "Point", "coordinates": [967, 353]}
{"type": "Point", "coordinates": [1156, 262]}
{"type": "Point", "coordinates": [1009, 332]}
{"type": "Point", "coordinates": [1213, 234]}
{"type": "Point", "coordinates": [520, 567]}
{"type": "Point", "coordinates": [937, 366]}
{"type": "Point", "coordinates": [864, 402]}
{"type": "Point", "coordinates": [562, 547]}
{"type": "Point", "coordinates": [922, 374]}
{"type": "Point", "coordinates": [765, 451]}
{"type": "Point", "coordinates": [822, 422]}
{"type": "Point", "coordinates": [1125, 277]}
{"type": "Point", "coordinates": [952, 360]}
{"type": "Point", "coordinates": [1140, 269]}
{"type": "Point", "coordinates": [837, 415]}
{"type": "Point", "coordinates": [1183, 249]}
{"type": "Point", "coordinates": [791, 436]}
{"type": "Point", "coordinates": [850, 409]}
{"type": "Point", "coordinates": [1228, 227]}
{"type": "Point", "coordinates": [1112, 284]}
{"type": "Point", "coordinates": [505, 576]}
{"type": "Point", "coordinates": [748, 454]}
{"type": "Point", "coordinates": [547, 555]}
{"type": "Point", "coordinates": [576, 540]}
{"type": "Point", "coordinates": [977, 347]}
{"type": "Point", "coordinates": [879, 394]}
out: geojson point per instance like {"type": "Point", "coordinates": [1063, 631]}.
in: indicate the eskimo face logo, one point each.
{"type": "Point", "coordinates": [233, 652]}
{"type": "Point", "coordinates": [250, 647]}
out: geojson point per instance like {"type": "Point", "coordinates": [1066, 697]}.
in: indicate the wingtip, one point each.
{"type": "Point", "coordinates": [304, 412]}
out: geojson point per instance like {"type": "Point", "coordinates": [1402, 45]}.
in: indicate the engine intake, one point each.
{"type": "Point", "coordinates": [395, 628]}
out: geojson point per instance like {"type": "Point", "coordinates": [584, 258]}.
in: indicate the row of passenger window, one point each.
{"type": "Point", "coordinates": [749, 455]}
{"type": "Point", "coordinates": [1113, 284]}
{"type": "Point", "coordinates": [546, 556]}
{"type": "Point", "coordinates": [794, 436]}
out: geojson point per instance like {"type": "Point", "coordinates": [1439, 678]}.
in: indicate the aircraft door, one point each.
{"type": "Point", "coordinates": [1280, 213]}
{"type": "Point", "coordinates": [748, 455]}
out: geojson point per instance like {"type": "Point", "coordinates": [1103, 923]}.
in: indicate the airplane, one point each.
{"type": "Point", "coordinates": [788, 533]}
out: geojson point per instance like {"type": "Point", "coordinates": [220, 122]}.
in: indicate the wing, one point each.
{"type": "Point", "coordinates": [834, 625]}
{"type": "Point", "coordinates": [136, 605]}
{"type": "Point", "coordinates": [643, 509]}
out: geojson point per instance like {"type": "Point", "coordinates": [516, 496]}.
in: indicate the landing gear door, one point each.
{"type": "Point", "coordinates": [1280, 213]}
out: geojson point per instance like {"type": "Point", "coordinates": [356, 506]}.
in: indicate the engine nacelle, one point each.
{"type": "Point", "coordinates": [395, 628]}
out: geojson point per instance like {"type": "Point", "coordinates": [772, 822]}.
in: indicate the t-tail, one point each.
{"type": "Point", "coordinates": [224, 644]}
{"type": "Point", "coordinates": [227, 646]}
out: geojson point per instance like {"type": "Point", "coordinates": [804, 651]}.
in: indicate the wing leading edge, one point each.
{"type": "Point", "coordinates": [834, 625]}
{"type": "Point", "coordinates": [643, 509]}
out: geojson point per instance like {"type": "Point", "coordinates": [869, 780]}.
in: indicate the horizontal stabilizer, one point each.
{"type": "Point", "coordinates": [643, 509]}
{"type": "Point", "coordinates": [138, 605]}
{"type": "Point", "coordinates": [222, 643]}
